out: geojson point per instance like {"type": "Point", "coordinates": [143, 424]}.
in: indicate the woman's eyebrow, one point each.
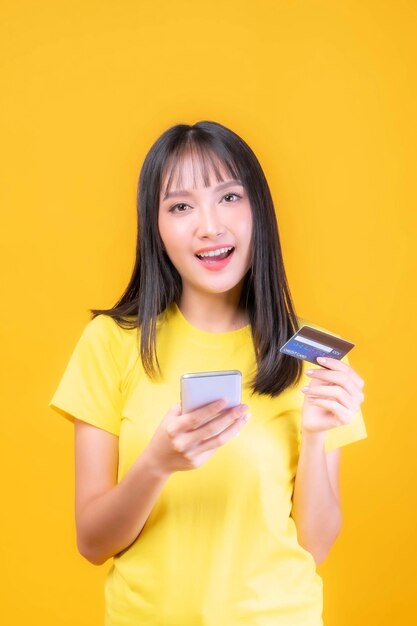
{"type": "Point", "coordinates": [184, 192]}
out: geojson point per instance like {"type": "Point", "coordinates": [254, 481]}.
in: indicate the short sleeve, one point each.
{"type": "Point", "coordinates": [347, 433]}
{"type": "Point", "coordinates": [90, 388]}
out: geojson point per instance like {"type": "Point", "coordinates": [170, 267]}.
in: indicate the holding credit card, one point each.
{"type": "Point", "coordinates": [309, 343]}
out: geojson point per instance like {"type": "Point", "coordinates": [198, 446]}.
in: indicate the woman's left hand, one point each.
{"type": "Point", "coordinates": [333, 396]}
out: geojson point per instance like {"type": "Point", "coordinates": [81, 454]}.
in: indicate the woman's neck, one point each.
{"type": "Point", "coordinates": [216, 313]}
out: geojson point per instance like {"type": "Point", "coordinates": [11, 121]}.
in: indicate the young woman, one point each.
{"type": "Point", "coordinates": [206, 527]}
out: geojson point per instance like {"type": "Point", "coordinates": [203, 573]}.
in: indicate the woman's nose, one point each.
{"type": "Point", "coordinates": [209, 223]}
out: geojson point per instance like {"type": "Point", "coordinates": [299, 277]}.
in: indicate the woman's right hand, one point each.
{"type": "Point", "coordinates": [186, 441]}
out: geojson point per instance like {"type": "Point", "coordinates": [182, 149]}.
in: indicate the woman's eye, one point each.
{"type": "Point", "coordinates": [178, 208]}
{"type": "Point", "coordinates": [231, 194]}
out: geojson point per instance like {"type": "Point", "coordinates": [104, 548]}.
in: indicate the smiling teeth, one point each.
{"type": "Point", "coordinates": [215, 252]}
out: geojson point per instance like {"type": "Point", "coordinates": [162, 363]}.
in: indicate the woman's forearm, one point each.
{"type": "Point", "coordinates": [112, 521]}
{"type": "Point", "coordinates": [316, 510]}
{"type": "Point", "coordinates": [109, 522]}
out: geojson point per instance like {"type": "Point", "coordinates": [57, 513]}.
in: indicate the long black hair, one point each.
{"type": "Point", "coordinates": [155, 284]}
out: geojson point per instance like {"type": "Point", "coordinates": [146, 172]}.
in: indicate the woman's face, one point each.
{"type": "Point", "coordinates": [206, 231]}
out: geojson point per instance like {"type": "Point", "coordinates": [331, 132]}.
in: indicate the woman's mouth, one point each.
{"type": "Point", "coordinates": [216, 259]}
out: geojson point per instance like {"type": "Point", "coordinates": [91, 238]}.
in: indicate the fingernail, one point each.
{"type": "Point", "coordinates": [309, 372]}
{"type": "Point", "coordinates": [305, 388]}
{"type": "Point", "coordinates": [321, 359]}
{"type": "Point", "coordinates": [247, 416]}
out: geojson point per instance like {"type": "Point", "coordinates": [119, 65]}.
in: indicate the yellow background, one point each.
{"type": "Point", "coordinates": [325, 94]}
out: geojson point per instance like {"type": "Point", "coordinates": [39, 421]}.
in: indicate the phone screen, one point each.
{"type": "Point", "coordinates": [200, 388]}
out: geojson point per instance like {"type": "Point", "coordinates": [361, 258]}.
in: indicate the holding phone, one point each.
{"type": "Point", "coordinates": [200, 388]}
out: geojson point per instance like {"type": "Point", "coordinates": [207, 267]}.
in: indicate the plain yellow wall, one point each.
{"type": "Point", "coordinates": [325, 94]}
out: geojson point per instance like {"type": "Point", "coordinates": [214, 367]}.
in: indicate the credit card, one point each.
{"type": "Point", "coordinates": [309, 343]}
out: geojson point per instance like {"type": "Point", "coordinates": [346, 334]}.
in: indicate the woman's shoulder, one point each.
{"type": "Point", "coordinates": [122, 330]}
{"type": "Point", "coordinates": [112, 343]}
{"type": "Point", "coordinates": [106, 336]}
{"type": "Point", "coordinates": [104, 325]}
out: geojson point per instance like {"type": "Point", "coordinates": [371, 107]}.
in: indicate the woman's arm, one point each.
{"type": "Point", "coordinates": [332, 399]}
{"type": "Point", "coordinates": [316, 504]}
{"type": "Point", "coordinates": [110, 515]}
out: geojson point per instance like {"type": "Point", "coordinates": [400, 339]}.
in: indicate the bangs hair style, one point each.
{"type": "Point", "coordinates": [155, 284]}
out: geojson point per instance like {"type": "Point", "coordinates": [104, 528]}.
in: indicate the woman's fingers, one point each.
{"type": "Point", "coordinates": [338, 372]}
{"type": "Point", "coordinates": [337, 390]}
{"type": "Point", "coordinates": [340, 382]}
{"type": "Point", "coordinates": [220, 439]}
{"type": "Point", "coordinates": [195, 419]}
{"type": "Point", "coordinates": [212, 427]}
{"type": "Point", "coordinates": [334, 392]}
{"type": "Point", "coordinates": [339, 414]}
{"type": "Point", "coordinates": [342, 379]}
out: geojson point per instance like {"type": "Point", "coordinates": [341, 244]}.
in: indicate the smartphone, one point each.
{"type": "Point", "coordinates": [200, 388]}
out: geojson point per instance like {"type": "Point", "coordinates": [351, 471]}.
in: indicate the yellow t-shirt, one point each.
{"type": "Point", "coordinates": [219, 547]}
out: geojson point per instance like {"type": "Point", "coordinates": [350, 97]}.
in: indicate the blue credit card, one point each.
{"type": "Point", "coordinates": [309, 343]}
